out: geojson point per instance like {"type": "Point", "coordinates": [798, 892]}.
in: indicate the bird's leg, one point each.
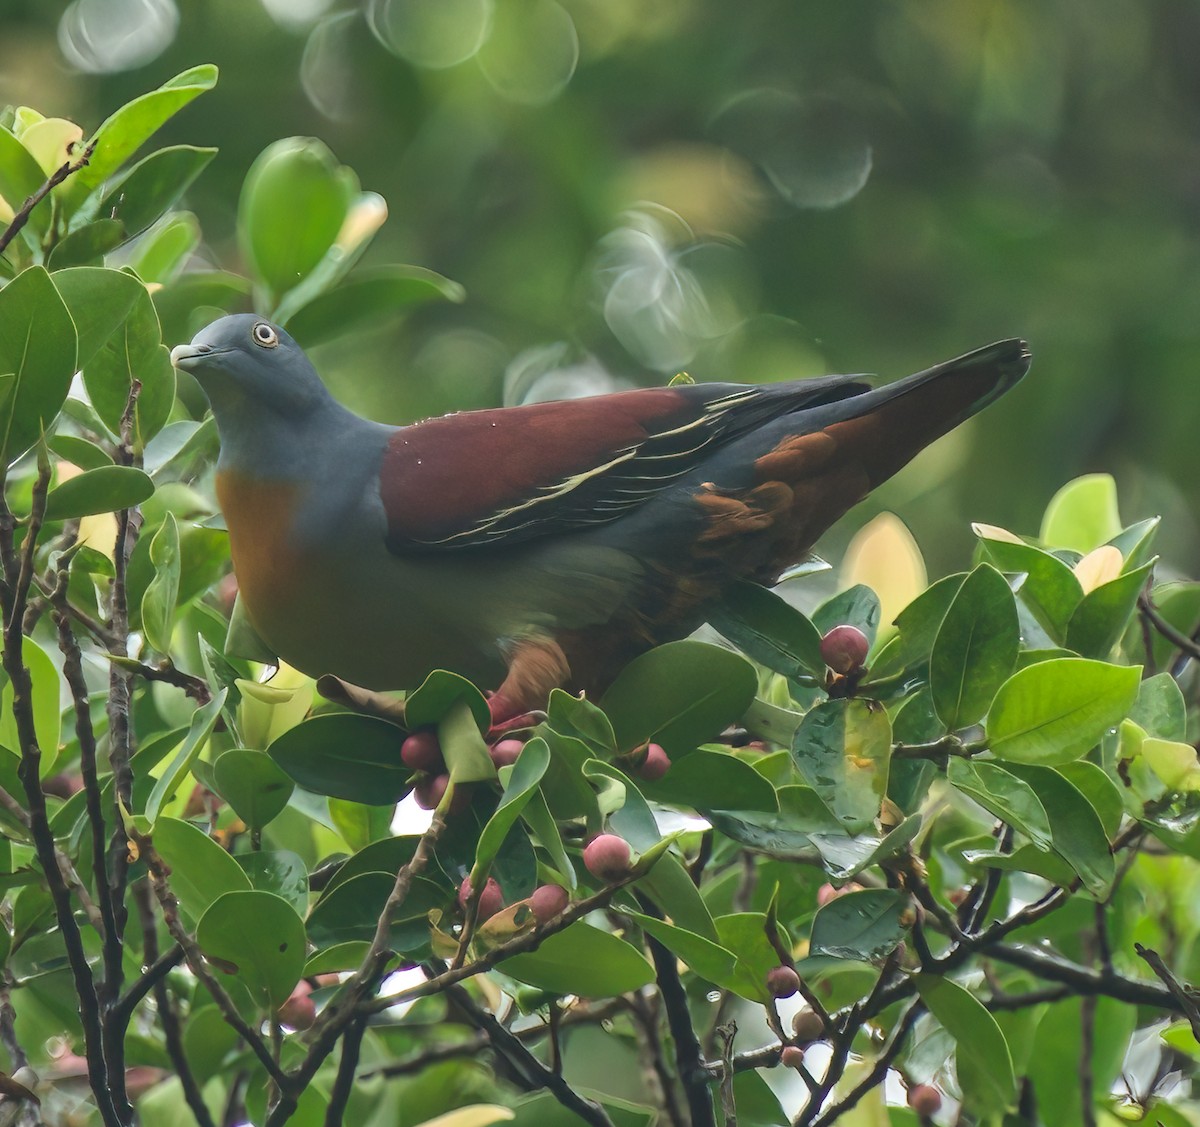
{"type": "Point", "coordinates": [535, 666]}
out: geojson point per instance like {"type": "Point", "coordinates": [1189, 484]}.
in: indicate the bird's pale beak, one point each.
{"type": "Point", "coordinates": [185, 356]}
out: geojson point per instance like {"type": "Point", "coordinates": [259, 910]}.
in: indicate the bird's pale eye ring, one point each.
{"type": "Point", "coordinates": [264, 335]}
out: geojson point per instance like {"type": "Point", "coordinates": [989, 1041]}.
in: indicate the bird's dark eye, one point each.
{"type": "Point", "coordinates": [264, 335]}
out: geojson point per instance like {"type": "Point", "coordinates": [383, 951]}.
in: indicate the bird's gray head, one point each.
{"type": "Point", "coordinates": [244, 362]}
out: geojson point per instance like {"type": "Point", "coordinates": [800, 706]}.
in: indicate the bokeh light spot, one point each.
{"type": "Point", "coordinates": [812, 150]}
{"type": "Point", "coordinates": [106, 36]}
{"type": "Point", "coordinates": [532, 52]}
{"type": "Point", "coordinates": [431, 33]}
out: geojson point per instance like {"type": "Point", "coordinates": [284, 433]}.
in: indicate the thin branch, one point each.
{"type": "Point", "coordinates": [1085, 980]}
{"type": "Point", "coordinates": [728, 1104]}
{"type": "Point", "coordinates": [168, 1019]}
{"type": "Point", "coordinates": [52, 181]}
{"type": "Point", "coordinates": [511, 1048]}
{"type": "Point", "coordinates": [159, 968]}
{"type": "Point", "coordinates": [1184, 995]}
{"type": "Point", "coordinates": [689, 1057]}
{"type": "Point", "coordinates": [166, 672]}
{"type": "Point", "coordinates": [658, 1075]}
{"type": "Point", "coordinates": [343, 1084]}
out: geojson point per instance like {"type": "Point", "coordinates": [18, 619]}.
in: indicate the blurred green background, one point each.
{"type": "Point", "coordinates": [747, 191]}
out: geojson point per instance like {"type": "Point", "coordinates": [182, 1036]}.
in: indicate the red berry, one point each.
{"type": "Point", "coordinates": [429, 790]}
{"type": "Point", "coordinates": [548, 901]}
{"type": "Point", "coordinates": [607, 857]}
{"type": "Point", "coordinates": [844, 648]}
{"type": "Point", "coordinates": [656, 764]}
{"type": "Point", "coordinates": [299, 1011]}
{"type": "Point", "coordinates": [792, 1056]}
{"type": "Point", "coordinates": [491, 899]}
{"type": "Point", "coordinates": [782, 981]}
{"type": "Point", "coordinates": [422, 752]}
{"type": "Point", "coordinates": [807, 1026]}
{"type": "Point", "coordinates": [925, 1099]}
{"type": "Point", "coordinates": [504, 752]}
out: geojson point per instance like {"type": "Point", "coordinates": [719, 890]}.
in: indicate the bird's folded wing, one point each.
{"type": "Point", "coordinates": [504, 476]}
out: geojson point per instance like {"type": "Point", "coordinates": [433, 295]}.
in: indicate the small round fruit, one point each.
{"type": "Point", "coordinates": [844, 648]}
{"type": "Point", "coordinates": [792, 1056]}
{"type": "Point", "coordinates": [607, 857]}
{"type": "Point", "coordinates": [925, 1099]}
{"type": "Point", "coordinates": [656, 764]}
{"type": "Point", "coordinates": [299, 1011]}
{"type": "Point", "coordinates": [422, 752]}
{"type": "Point", "coordinates": [548, 901]}
{"type": "Point", "coordinates": [428, 792]}
{"type": "Point", "coordinates": [504, 752]}
{"type": "Point", "coordinates": [782, 981]}
{"type": "Point", "coordinates": [807, 1026]}
{"type": "Point", "coordinates": [491, 899]}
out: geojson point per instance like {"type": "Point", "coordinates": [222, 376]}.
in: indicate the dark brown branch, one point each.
{"type": "Point", "coordinates": [52, 181]}
{"type": "Point", "coordinates": [510, 1047]}
{"type": "Point", "coordinates": [689, 1057]}
{"type": "Point", "coordinates": [168, 1019]}
{"type": "Point", "coordinates": [343, 1084]}
{"type": "Point", "coordinates": [158, 969]}
{"type": "Point", "coordinates": [1181, 641]}
{"type": "Point", "coordinates": [1085, 980]}
{"type": "Point", "coordinates": [1189, 1004]}
{"type": "Point", "coordinates": [646, 1029]}
{"type": "Point", "coordinates": [166, 672]}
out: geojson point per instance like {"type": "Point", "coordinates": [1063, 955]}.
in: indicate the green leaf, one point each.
{"type": "Point", "coordinates": [344, 755]}
{"type": "Point", "coordinates": [162, 252]}
{"type": "Point", "coordinates": [712, 780]}
{"type": "Point", "coordinates": [1057, 710]}
{"type": "Point", "coordinates": [20, 177]}
{"type": "Point", "coordinates": [705, 958]}
{"type": "Point", "coordinates": [745, 934]}
{"type": "Point", "coordinates": [103, 490]}
{"type": "Point", "coordinates": [124, 132]}
{"type": "Point", "coordinates": [769, 630]}
{"type": "Point", "coordinates": [679, 695]}
{"type": "Point", "coordinates": [1001, 793]}
{"type": "Point", "coordinates": [293, 203]}
{"type": "Point", "coordinates": [79, 452]}
{"type": "Point", "coordinates": [1050, 589]}
{"type": "Point", "coordinates": [856, 606]}
{"type": "Point", "coordinates": [279, 871]}
{"type": "Point", "coordinates": [1082, 515]}
{"type": "Point", "coordinates": [384, 856]}
{"type": "Point", "coordinates": [207, 1039]}
{"type": "Point", "coordinates": [582, 960]}
{"type": "Point", "coordinates": [134, 351]}
{"type": "Point", "coordinates": [1099, 789]}
{"type": "Point", "coordinates": [429, 703]}
{"type": "Point", "coordinates": [1102, 616]}
{"type": "Point", "coordinates": [37, 359]}
{"type": "Point", "coordinates": [369, 299]}
{"type": "Point", "coordinates": [578, 718]}
{"type": "Point", "coordinates": [201, 871]}
{"type": "Point", "coordinates": [153, 184]}
{"type": "Point", "coordinates": [985, 1068]}
{"type": "Point", "coordinates": [180, 302]}
{"type": "Point", "coordinates": [463, 748]}
{"type": "Point", "coordinates": [1135, 542]}
{"type": "Point", "coordinates": [158, 603]}
{"type": "Point", "coordinates": [203, 721]}
{"type": "Point", "coordinates": [975, 650]}
{"type": "Point", "coordinates": [1079, 837]}
{"type": "Point", "coordinates": [860, 925]}
{"type": "Point", "coordinates": [259, 937]}
{"type": "Point", "coordinates": [86, 246]}
{"type": "Point", "coordinates": [351, 912]}
{"type": "Point", "coordinates": [920, 621]}
{"type": "Point", "coordinates": [522, 781]}
{"type": "Point", "coordinates": [1160, 708]}
{"type": "Point", "coordinates": [253, 784]}
{"type": "Point", "coordinates": [46, 682]}
{"type": "Point", "coordinates": [842, 749]}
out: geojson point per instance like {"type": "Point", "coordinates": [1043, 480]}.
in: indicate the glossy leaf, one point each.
{"type": "Point", "coordinates": [842, 749]}
{"type": "Point", "coordinates": [433, 699]}
{"type": "Point", "coordinates": [158, 603]}
{"type": "Point", "coordinates": [1102, 616]}
{"type": "Point", "coordinates": [1082, 515]}
{"type": "Point", "coordinates": [582, 960]}
{"type": "Point", "coordinates": [1057, 710]}
{"type": "Point", "coordinates": [678, 695]}
{"type": "Point", "coordinates": [856, 606]}
{"type": "Point", "coordinates": [125, 131]}
{"type": "Point", "coordinates": [37, 359]}
{"type": "Point", "coordinates": [1049, 588]}
{"type": "Point", "coordinates": [368, 299]}
{"type": "Point", "coordinates": [579, 718]}
{"type": "Point", "coordinates": [102, 490]}
{"type": "Point", "coordinates": [259, 937]}
{"type": "Point", "coordinates": [985, 1068]}
{"type": "Point", "coordinates": [163, 251]}
{"type": "Point", "coordinates": [712, 780]}
{"type": "Point", "coordinates": [860, 925]}
{"type": "Point", "coordinates": [20, 177]}
{"type": "Point", "coordinates": [767, 629]}
{"type": "Point", "coordinates": [1160, 708]}
{"type": "Point", "coordinates": [463, 748]}
{"type": "Point", "coordinates": [86, 246]}
{"type": "Point", "coordinates": [704, 957]}
{"type": "Point", "coordinates": [253, 784]}
{"type": "Point", "coordinates": [351, 912]}
{"type": "Point", "coordinates": [522, 781]}
{"type": "Point", "coordinates": [279, 871]}
{"type": "Point", "coordinates": [46, 689]}
{"type": "Point", "coordinates": [1078, 833]}
{"type": "Point", "coordinates": [203, 721]}
{"type": "Point", "coordinates": [153, 184]}
{"type": "Point", "coordinates": [201, 871]}
{"type": "Point", "coordinates": [344, 755]}
{"type": "Point", "coordinates": [975, 650]}
{"type": "Point", "coordinates": [1001, 793]}
{"type": "Point", "coordinates": [920, 621]}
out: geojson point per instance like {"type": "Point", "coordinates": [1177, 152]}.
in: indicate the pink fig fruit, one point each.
{"type": "Point", "coordinates": [656, 764]}
{"type": "Point", "coordinates": [421, 751]}
{"type": "Point", "coordinates": [548, 901]}
{"type": "Point", "coordinates": [607, 856]}
{"type": "Point", "coordinates": [844, 648]}
{"type": "Point", "coordinates": [782, 981]}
